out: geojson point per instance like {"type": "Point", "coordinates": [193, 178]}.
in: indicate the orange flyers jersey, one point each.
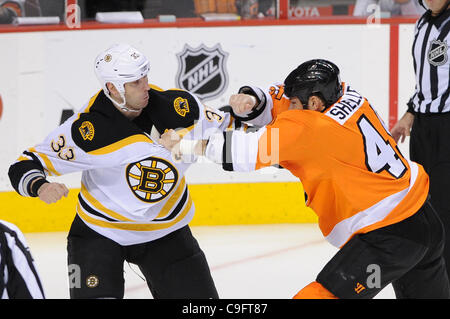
{"type": "Point", "coordinates": [351, 168]}
{"type": "Point", "coordinates": [279, 101]}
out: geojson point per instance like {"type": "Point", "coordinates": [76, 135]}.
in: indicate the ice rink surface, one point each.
{"type": "Point", "coordinates": [247, 262]}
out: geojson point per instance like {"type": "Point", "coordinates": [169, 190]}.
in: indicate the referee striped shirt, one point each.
{"type": "Point", "coordinates": [431, 64]}
{"type": "Point", "coordinates": [19, 278]}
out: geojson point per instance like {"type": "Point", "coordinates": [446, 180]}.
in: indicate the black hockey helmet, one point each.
{"type": "Point", "coordinates": [315, 77]}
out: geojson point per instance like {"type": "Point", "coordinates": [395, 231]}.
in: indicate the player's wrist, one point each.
{"type": "Point", "coordinates": [36, 186]}
{"type": "Point", "coordinates": [187, 147]}
{"type": "Point", "coordinates": [408, 117]}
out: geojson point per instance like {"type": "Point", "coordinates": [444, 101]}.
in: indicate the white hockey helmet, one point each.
{"type": "Point", "coordinates": [120, 64]}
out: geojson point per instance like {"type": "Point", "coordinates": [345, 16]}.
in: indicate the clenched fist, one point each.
{"type": "Point", "coordinates": [169, 139]}
{"type": "Point", "coordinates": [52, 192]}
{"type": "Point", "coordinates": [242, 104]}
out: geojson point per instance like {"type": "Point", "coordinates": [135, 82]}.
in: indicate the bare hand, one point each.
{"type": "Point", "coordinates": [52, 192]}
{"type": "Point", "coordinates": [169, 139]}
{"type": "Point", "coordinates": [403, 127]}
{"type": "Point", "coordinates": [242, 103]}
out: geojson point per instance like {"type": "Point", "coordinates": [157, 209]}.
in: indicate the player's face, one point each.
{"type": "Point", "coordinates": [136, 93]}
{"type": "Point", "coordinates": [296, 104]}
{"type": "Point", "coordinates": [314, 104]}
{"type": "Point", "coordinates": [436, 6]}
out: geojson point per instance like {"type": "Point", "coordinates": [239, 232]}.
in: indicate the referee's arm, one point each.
{"type": "Point", "coordinates": [402, 128]}
{"type": "Point", "coordinates": [19, 278]}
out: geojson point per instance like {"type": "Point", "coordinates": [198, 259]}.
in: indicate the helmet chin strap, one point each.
{"type": "Point", "coordinates": [121, 105]}
{"type": "Point", "coordinates": [123, 108]}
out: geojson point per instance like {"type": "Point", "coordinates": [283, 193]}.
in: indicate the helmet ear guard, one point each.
{"type": "Point", "coordinates": [314, 77]}
{"type": "Point", "coordinates": [118, 65]}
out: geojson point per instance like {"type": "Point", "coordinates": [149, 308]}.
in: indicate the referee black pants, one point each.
{"type": "Point", "coordinates": [174, 266]}
{"type": "Point", "coordinates": [430, 147]}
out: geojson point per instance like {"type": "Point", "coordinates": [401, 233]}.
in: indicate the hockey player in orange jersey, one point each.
{"type": "Point", "coordinates": [371, 201]}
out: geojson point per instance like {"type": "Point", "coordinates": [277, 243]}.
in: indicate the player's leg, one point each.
{"type": "Point", "coordinates": [95, 264]}
{"type": "Point", "coordinates": [427, 279]}
{"type": "Point", "coordinates": [369, 262]}
{"type": "Point", "coordinates": [175, 266]}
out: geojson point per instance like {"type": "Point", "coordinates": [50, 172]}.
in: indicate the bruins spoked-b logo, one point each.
{"type": "Point", "coordinates": [437, 53]}
{"type": "Point", "coordinates": [202, 71]}
{"type": "Point", "coordinates": [87, 130]}
{"type": "Point", "coordinates": [181, 106]}
{"type": "Point", "coordinates": [151, 179]}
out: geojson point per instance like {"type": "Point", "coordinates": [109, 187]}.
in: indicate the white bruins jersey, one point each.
{"type": "Point", "coordinates": [131, 189]}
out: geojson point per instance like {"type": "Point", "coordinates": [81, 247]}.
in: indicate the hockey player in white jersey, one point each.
{"type": "Point", "coordinates": [134, 204]}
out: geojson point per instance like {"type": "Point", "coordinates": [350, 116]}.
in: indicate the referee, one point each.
{"type": "Point", "coordinates": [428, 117]}
{"type": "Point", "coordinates": [19, 278]}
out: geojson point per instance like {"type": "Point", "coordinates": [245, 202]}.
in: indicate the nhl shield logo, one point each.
{"type": "Point", "coordinates": [202, 71]}
{"type": "Point", "coordinates": [437, 54]}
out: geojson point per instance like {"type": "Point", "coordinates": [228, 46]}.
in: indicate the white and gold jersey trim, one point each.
{"type": "Point", "coordinates": [176, 212]}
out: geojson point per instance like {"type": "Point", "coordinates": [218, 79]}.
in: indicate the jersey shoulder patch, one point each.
{"type": "Point", "coordinates": [101, 125]}
{"type": "Point", "coordinates": [172, 109]}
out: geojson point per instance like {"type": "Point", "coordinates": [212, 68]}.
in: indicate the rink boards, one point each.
{"type": "Point", "coordinates": [48, 74]}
